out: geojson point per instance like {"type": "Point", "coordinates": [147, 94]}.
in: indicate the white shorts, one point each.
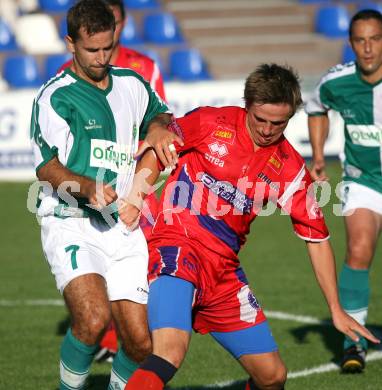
{"type": "Point", "coordinates": [357, 196]}
{"type": "Point", "coordinates": [79, 246]}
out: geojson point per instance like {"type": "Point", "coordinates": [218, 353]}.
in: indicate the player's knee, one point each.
{"type": "Point", "coordinates": [273, 380]}
{"type": "Point", "coordinates": [139, 348]}
{"type": "Point", "coordinates": [359, 255]}
{"type": "Point", "coordinates": [91, 328]}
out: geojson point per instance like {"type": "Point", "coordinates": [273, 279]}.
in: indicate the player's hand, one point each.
{"type": "Point", "coordinates": [129, 214]}
{"type": "Point", "coordinates": [317, 170]}
{"type": "Point", "coordinates": [100, 194]}
{"type": "Point", "coordinates": [162, 140]}
{"type": "Point", "coordinates": [351, 328]}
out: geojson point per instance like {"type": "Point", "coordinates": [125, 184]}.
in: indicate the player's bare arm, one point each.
{"type": "Point", "coordinates": [162, 140]}
{"type": "Point", "coordinates": [318, 133]}
{"type": "Point", "coordinates": [322, 258]}
{"type": "Point", "coordinates": [146, 174]}
{"type": "Point", "coordinates": [98, 194]}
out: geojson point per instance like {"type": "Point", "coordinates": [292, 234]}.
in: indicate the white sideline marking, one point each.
{"type": "Point", "coordinates": [31, 302]}
{"type": "Point", "coordinates": [279, 315]}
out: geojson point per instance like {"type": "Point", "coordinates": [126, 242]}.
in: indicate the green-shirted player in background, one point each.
{"type": "Point", "coordinates": [85, 128]}
{"type": "Point", "coordinates": [355, 91]}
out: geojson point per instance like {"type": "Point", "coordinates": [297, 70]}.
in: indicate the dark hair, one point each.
{"type": "Point", "coordinates": [93, 15]}
{"type": "Point", "coordinates": [117, 3]}
{"type": "Point", "coordinates": [364, 14]}
{"type": "Point", "coordinates": [272, 83]}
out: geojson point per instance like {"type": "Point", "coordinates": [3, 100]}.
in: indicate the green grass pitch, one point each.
{"type": "Point", "coordinates": [275, 262]}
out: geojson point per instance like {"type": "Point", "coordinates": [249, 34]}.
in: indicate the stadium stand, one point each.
{"type": "Point", "coordinates": [188, 65]}
{"type": "Point", "coordinates": [332, 21]}
{"type": "Point", "coordinates": [21, 71]}
{"type": "Point", "coordinates": [370, 5]}
{"type": "Point", "coordinates": [7, 37]}
{"type": "Point", "coordinates": [130, 34]}
{"type": "Point", "coordinates": [37, 34]}
{"type": "Point", "coordinates": [53, 62]}
{"type": "Point", "coordinates": [161, 28]}
{"type": "Point", "coordinates": [141, 4]}
{"type": "Point", "coordinates": [55, 6]}
{"type": "Point", "coordinates": [347, 53]}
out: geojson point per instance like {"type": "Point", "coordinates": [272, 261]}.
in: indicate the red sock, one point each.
{"type": "Point", "coordinates": [109, 339]}
{"type": "Point", "coordinates": [144, 380]}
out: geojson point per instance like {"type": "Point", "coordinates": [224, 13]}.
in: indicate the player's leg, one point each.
{"type": "Point", "coordinates": [363, 227]}
{"type": "Point", "coordinates": [78, 272]}
{"type": "Point", "coordinates": [169, 313]}
{"type": "Point", "coordinates": [256, 351]}
{"type": "Point", "coordinates": [89, 309]}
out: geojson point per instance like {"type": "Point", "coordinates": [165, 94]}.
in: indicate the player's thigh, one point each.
{"type": "Point", "coordinates": [88, 303]}
{"type": "Point", "coordinates": [71, 249]}
{"type": "Point", "coordinates": [170, 317]}
{"type": "Point", "coordinates": [256, 350]}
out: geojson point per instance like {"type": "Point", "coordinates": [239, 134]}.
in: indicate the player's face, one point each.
{"type": "Point", "coordinates": [366, 41]}
{"type": "Point", "coordinates": [91, 54]}
{"type": "Point", "coordinates": [119, 23]}
{"type": "Point", "coordinates": [267, 122]}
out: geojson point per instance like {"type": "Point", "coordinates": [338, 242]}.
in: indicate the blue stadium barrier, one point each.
{"type": "Point", "coordinates": [130, 34]}
{"type": "Point", "coordinates": [53, 62]}
{"type": "Point", "coordinates": [7, 38]}
{"type": "Point", "coordinates": [332, 21]}
{"type": "Point", "coordinates": [347, 53]}
{"type": "Point", "coordinates": [161, 28]}
{"type": "Point", "coordinates": [369, 5]}
{"type": "Point", "coordinates": [55, 6]}
{"type": "Point", "coordinates": [140, 4]}
{"type": "Point", "coordinates": [21, 71]}
{"type": "Point", "coordinates": [188, 65]}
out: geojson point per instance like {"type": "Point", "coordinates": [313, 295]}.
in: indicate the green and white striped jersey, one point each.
{"type": "Point", "coordinates": [360, 105]}
{"type": "Point", "coordinates": [93, 132]}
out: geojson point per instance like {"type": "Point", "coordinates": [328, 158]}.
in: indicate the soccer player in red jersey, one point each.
{"type": "Point", "coordinates": [234, 161]}
{"type": "Point", "coordinates": [125, 57]}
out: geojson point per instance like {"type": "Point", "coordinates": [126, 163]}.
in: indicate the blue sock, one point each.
{"type": "Point", "coordinates": [121, 370]}
{"type": "Point", "coordinates": [76, 358]}
{"type": "Point", "coordinates": [354, 297]}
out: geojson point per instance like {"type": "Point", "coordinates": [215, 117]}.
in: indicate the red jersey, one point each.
{"type": "Point", "coordinates": [140, 63]}
{"type": "Point", "coordinates": [221, 184]}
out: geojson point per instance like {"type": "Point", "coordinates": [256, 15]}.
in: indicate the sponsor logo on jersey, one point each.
{"type": "Point", "coordinates": [228, 192]}
{"type": "Point", "coordinates": [366, 135]}
{"type": "Point", "coordinates": [224, 134]}
{"type": "Point", "coordinates": [218, 149]}
{"type": "Point", "coordinates": [275, 164]}
{"type": "Point", "coordinates": [110, 155]}
{"type": "Point", "coordinates": [267, 180]}
{"type": "Point", "coordinates": [92, 125]}
{"type": "Point", "coordinates": [214, 160]}
{"type": "Point", "coordinates": [347, 113]}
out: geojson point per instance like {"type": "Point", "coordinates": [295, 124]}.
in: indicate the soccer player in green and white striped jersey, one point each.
{"type": "Point", "coordinates": [355, 91]}
{"type": "Point", "coordinates": [85, 128]}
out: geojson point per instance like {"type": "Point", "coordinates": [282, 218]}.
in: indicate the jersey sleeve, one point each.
{"type": "Point", "coordinates": [322, 99]}
{"type": "Point", "coordinates": [155, 106]}
{"type": "Point", "coordinates": [49, 134]}
{"type": "Point", "coordinates": [299, 201]}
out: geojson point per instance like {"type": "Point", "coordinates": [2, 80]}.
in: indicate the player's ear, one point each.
{"type": "Point", "coordinates": [69, 44]}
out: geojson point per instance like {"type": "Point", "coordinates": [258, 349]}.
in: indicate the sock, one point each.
{"type": "Point", "coordinates": [110, 340]}
{"type": "Point", "coordinates": [144, 380]}
{"type": "Point", "coordinates": [121, 370]}
{"type": "Point", "coordinates": [76, 358]}
{"type": "Point", "coordinates": [152, 374]}
{"type": "Point", "coordinates": [354, 297]}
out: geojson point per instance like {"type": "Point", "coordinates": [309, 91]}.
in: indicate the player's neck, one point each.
{"type": "Point", "coordinates": [101, 84]}
{"type": "Point", "coordinates": [373, 77]}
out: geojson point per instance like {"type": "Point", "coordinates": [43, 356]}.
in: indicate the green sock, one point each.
{"type": "Point", "coordinates": [121, 370]}
{"type": "Point", "coordinates": [76, 358]}
{"type": "Point", "coordinates": [354, 297]}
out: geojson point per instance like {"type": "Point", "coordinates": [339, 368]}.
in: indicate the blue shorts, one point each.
{"type": "Point", "coordinates": [170, 306]}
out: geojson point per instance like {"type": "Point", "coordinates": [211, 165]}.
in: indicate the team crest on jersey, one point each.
{"type": "Point", "coordinates": [218, 149]}
{"type": "Point", "coordinates": [224, 134]}
{"type": "Point", "coordinates": [275, 163]}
